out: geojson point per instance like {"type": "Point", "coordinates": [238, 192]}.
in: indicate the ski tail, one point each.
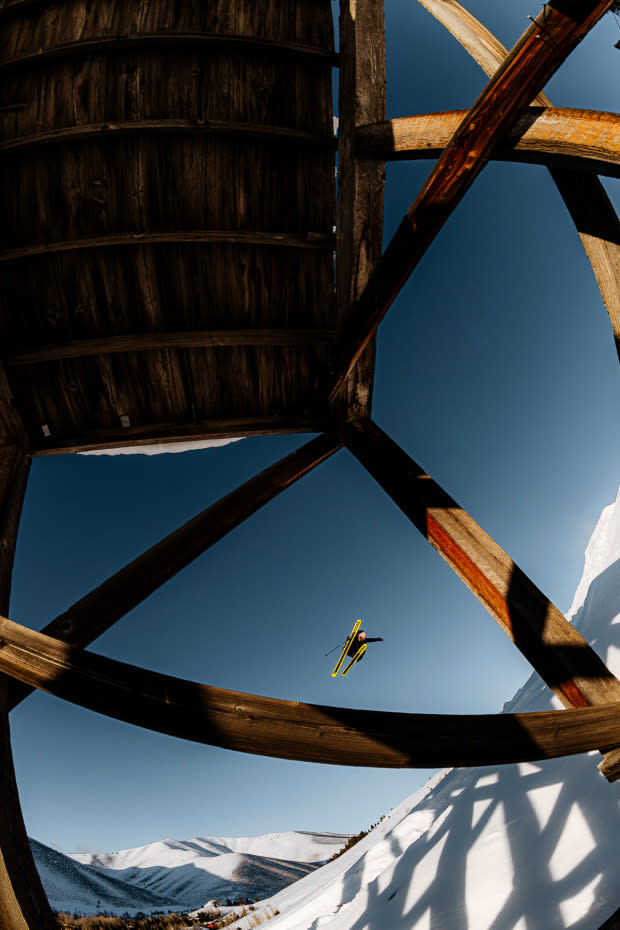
{"type": "Point", "coordinates": [350, 638]}
{"type": "Point", "coordinates": [358, 655]}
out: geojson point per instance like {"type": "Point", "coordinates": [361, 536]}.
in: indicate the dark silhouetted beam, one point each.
{"type": "Point", "coordinates": [88, 131]}
{"type": "Point", "coordinates": [560, 655]}
{"type": "Point", "coordinates": [82, 623]}
{"type": "Point", "coordinates": [109, 437]}
{"type": "Point", "coordinates": [214, 42]}
{"type": "Point", "coordinates": [200, 236]}
{"type": "Point", "coordinates": [554, 33]}
{"type": "Point", "coordinates": [23, 904]}
{"type": "Point", "coordinates": [583, 139]}
{"type": "Point", "coordinates": [290, 729]}
{"type": "Point", "coordinates": [146, 342]}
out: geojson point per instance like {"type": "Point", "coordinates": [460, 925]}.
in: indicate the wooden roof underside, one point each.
{"type": "Point", "coordinates": [168, 241]}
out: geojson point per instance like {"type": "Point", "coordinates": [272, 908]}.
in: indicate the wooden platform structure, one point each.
{"type": "Point", "coordinates": [178, 265]}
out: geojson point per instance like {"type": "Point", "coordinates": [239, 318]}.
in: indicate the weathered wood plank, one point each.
{"type": "Point", "coordinates": [143, 342]}
{"type": "Point", "coordinates": [214, 236]}
{"type": "Point", "coordinates": [587, 140]}
{"type": "Point", "coordinates": [290, 729]}
{"type": "Point", "coordinates": [584, 196]}
{"type": "Point", "coordinates": [537, 55]}
{"type": "Point", "coordinates": [86, 132]}
{"type": "Point", "coordinates": [560, 655]}
{"type": "Point", "coordinates": [360, 180]}
{"type": "Point", "coordinates": [107, 44]}
{"type": "Point", "coordinates": [178, 431]}
{"type": "Point", "coordinates": [100, 609]}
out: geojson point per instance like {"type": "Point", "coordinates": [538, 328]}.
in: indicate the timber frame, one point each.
{"type": "Point", "coordinates": [313, 371]}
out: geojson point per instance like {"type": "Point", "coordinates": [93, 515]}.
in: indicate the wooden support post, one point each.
{"type": "Point", "coordinates": [560, 655]}
{"type": "Point", "coordinates": [100, 609]}
{"type": "Point", "coordinates": [361, 180]}
{"type": "Point", "coordinates": [555, 32]}
{"type": "Point", "coordinates": [23, 904]}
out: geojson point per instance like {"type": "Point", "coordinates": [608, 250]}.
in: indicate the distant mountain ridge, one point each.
{"type": "Point", "coordinates": [181, 874]}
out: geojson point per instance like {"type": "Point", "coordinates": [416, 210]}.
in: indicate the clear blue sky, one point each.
{"type": "Point", "coordinates": [496, 371]}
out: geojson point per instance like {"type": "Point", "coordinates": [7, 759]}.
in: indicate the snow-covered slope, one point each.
{"type": "Point", "coordinates": [75, 888]}
{"type": "Point", "coordinates": [181, 874]}
{"type": "Point", "coordinates": [514, 847]}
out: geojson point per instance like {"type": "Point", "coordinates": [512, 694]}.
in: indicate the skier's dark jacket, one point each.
{"type": "Point", "coordinates": [357, 642]}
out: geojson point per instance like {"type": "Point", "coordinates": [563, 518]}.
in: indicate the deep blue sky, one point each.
{"type": "Point", "coordinates": [496, 371]}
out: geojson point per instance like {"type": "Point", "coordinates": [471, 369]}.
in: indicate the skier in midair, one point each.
{"type": "Point", "coordinates": [359, 641]}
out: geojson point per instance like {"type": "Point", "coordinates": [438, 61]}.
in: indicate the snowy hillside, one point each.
{"type": "Point", "coordinates": [514, 847]}
{"type": "Point", "coordinates": [75, 888]}
{"type": "Point", "coordinates": [181, 874]}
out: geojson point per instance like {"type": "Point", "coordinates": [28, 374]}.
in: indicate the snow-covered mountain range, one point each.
{"type": "Point", "coordinates": [178, 875]}
{"type": "Point", "coordinates": [512, 847]}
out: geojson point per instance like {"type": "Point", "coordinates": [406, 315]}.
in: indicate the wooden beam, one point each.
{"type": "Point", "coordinates": [584, 196]}
{"type": "Point", "coordinates": [560, 655]}
{"type": "Point", "coordinates": [88, 131]}
{"type": "Point", "coordinates": [23, 904]}
{"type": "Point", "coordinates": [586, 140]}
{"type": "Point", "coordinates": [219, 42]}
{"type": "Point", "coordinates": [203, 236]}
{"type": "Point", "coordinates": [554, 33]}
{"type": "Point", "coordinates": [100, 609]}
{"type": "Point", "coordinates": [16, 7]}
{"type": "Point", "coordinates": [147, 342]}
{"type": "Point", "coordinates": [360, 180]}
{"type": "Point", "coordinates": [91, 440]}
{"type": "Point", "coordinates": [291, 729]}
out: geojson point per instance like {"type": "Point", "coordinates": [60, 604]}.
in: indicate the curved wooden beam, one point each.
{"type": "Point", "coordinates": [201, 236]}
{"type": "Point", "coordinates": [147, 342]}
{"type": "Point", "coordinates": [145, 41]}
{"type": "Point", "coordinates": [584, 196]}
{"type": "Point", "coordinates": [290, 729]}
{"type": "Point", "coordinates": [586, 140]}
{"type": "Point", "coordinates": [555, 32]}
{"type": "Point", "coordinates": [100, 609]}
{"type": "Point", "coordinates": [88, 131]}
{"type": "Point", "coordinates": [23, 904]}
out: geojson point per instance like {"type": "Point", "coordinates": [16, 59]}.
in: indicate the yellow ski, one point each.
{"type": "Point", "coordinates": [346, 646]}
{"type": "Point", "coordinates": [358, 655]}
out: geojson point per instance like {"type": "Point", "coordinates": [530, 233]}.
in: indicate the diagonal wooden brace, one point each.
{"type": "Point", "coordinates": [560, 655]}
{"type": "Point", "coordinates": [97, 611]}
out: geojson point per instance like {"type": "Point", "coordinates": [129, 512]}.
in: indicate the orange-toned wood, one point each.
{"type": "Point", "coordinates": [549, 135]}
{"type": "Point", "coordinates": [537, 55]}
{"type": "Point", "coordinates": [560, 655]}
{"type": "Point", "coordinates": [585, 197]}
